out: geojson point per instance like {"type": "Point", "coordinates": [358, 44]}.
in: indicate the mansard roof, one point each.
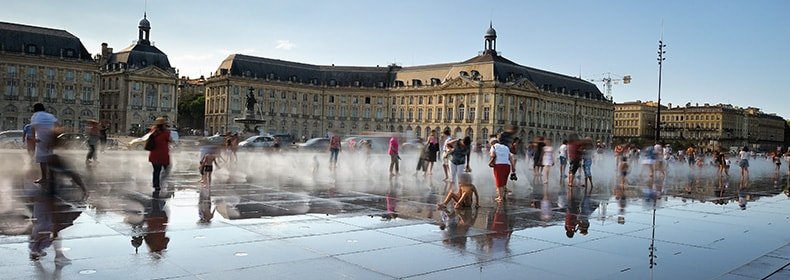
{"type": "Point", "coordinates": [274, 69]}
{"type": "Point", "coordinates": [141, 56]}
{"type": "Point", "coordinates": [18, 38]}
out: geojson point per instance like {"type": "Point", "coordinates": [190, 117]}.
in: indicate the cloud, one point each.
{"type": "Point", "coordinates": [284, 45]}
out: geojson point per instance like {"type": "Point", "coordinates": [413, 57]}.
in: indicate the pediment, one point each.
{"type": "Point", "coordinates": [458, 82]}
{"type": "Point", "coordinates": [153, 71]}
{"type": "Point", "coordinates": [523, 83]}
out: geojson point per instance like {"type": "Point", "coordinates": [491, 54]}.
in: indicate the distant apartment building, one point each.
{"type": "Point", "coordinates": [476, 97]}
{"type": "Point", "coordinates": [720, 125]}
{"type": "Point", "coordinates": [49, 66]}
{"type": "Point", "coordinates": [138, 85]}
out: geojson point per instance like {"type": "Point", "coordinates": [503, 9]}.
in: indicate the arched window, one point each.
{"type": "Point", "coordinates": [461, 112]}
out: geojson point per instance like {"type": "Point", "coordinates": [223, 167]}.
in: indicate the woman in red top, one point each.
{"type": "Point", "coordinates": [160, 155]}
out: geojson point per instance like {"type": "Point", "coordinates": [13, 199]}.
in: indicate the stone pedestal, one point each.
{"type": "Point", "coordinates": [250, 122]}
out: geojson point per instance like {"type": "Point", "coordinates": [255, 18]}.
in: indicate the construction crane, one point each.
{"type": "Point", "coordinates": [610, 78]}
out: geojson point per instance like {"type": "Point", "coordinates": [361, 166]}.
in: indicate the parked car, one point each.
{"type": "Point", "coordinates": [11, 139]}
{"type": "Point", "coordinates": [139, 143]}
{"type": "Point", "coordinates": [73, 141]}
{"type": "Point", "coordinates": [285, 139]}
{"type": "Point", "coordinates": [315, 144]}
{"type": "Point", "coordinates": [257, 142]}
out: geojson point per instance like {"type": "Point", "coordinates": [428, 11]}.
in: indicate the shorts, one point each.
{"type": "Point", "coordinates": [624, 173]}
{"type": "Point", "coordinates": [207, 168]}
{"type": "Point", "coordinates": [587, 167]}
{"type": "Point", "coordinates": [575, 164]}
{"type": "Point", "coordinates": [563, 161]}
{"type": "Point", "coordinates": [744, 163]}
{"type": "Point", "coordinates": [691, 160]}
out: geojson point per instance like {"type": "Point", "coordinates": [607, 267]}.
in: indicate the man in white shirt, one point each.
{"type": "Point", "coordinates": [563, 155]}
{"type": "Point", "coordinates": [43, 130]}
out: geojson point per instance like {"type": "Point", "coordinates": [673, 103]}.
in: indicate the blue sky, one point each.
{"type": "Point", "coordinates": [727, 51]}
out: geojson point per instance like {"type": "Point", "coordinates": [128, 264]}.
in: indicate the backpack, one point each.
{"type": "Point", "coordinates": [150, 144]}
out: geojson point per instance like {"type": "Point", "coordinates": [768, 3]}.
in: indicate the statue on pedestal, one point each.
{"type": "Point", "coordinates": [251, 101]}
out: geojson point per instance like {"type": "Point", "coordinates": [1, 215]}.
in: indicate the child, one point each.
{"type": "Point", "coordinates": [727, 165]}
{"type": "Point", "coordinates": [207, 164]}
{"type": "Point", "coordinates": [463, 199]}
{"type": "Point", "coordinates": [623, 170]}
{"type": "Point", "coordinates": [777, 160]}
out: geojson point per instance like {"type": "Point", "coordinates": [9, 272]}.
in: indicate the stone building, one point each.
{"type": "Point", "coordinates": [476, 97]}
{"type": "Point", "coordinates": [635, 121]}
{"type": "Point", "coordinates": [707, 126]}
{"type": "Point", "coordinates": [137, 85]}
{"type": "Point", "coordinates": [50, 66]}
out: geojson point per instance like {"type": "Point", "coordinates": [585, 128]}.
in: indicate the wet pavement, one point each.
{"type": "Point", "coordinates": [258, 221]}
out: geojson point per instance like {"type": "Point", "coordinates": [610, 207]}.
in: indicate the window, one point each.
{"type": "Point", "coordinates": [11, 69]}
{"type": "Point", "coordinates": [449, 99]}
{"type": "Point", "coordinates": [486, 98]}
{"type": "Point", "coordinates": [50, 94]}
{"type": "Point", "coordinates": [411, 114]}
{"type": "Point", "coordinates": [419, 114]}
{"type": "Point", "coordinates": [439, 115]}
{"type": "Point", "coordinates": [11, 88]}
{"type": "Point", "coordinates": [486, 111]}
{"type": "Point", "coordinates": [31, 49]}
{"type": "Point", "coordinates": [315, 98]}
{"type": "Point", "coordinates": [150, 97]}
{"type": "Point", "coordinates": [342, 111]}
{"type": "Point", "coordinates": [331, 99]}
{"type": "Point", "coordinates": [430, 100]}
{"type": "Point", "coordinates": [439, 100]}
{"type": "Point", "coordinates": [342, 99]}
{"type": "Point", "coordinates": [282, 94]}
{"type": "Point", "coordinates": [31, 72]}
{"type": "Point", "coordinates": [50, 74]}
{"type": "Point", "coordinates": [70, 75]}
{"type": "Point", "coordinates": [367, 100]}
{"type": "Point", "coordinates": [420, 100]}
{"type": "Point", "coordinates": [87, 94]}
{"type": "Point", "coordinates": [378, 100]}
{"type": "Point", "coordinates": [355, 100]}
{"type": "Point", "coordinates": [367, 113]}
{"type": "Point", "coordinates": [411, 100]}
{"type": "Point", "coordinates": [379, 113]}
{"type": "Point", "coordinates": [32, 91]}
{"type": "Point", "coordinates": [68, 93]}
{"type": "Point", "coordinates": [472, 113]}
{"type": "Point", "coordinates": [304, 97]}
{"type": "Point", "coordinates": [430, 114]}
{"type": "Point", "coordinates": [461, 112]}
{"type": "Point", "coordinates": [449, 114]}
{"type": "Point", "coordinates": [87, 77]}
{"type": "Point", "coordinates": [135, 86]}
{"type": "Point", "coordinates": [354, 111]}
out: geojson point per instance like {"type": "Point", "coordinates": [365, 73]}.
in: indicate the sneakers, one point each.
{"type": "Point", "coordinates": [36, 255]}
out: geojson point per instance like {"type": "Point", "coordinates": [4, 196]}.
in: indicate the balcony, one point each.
{"type": "Point", "coordinates": [50, 100]}
{"type": "Point", "coordinates": [165, 109]}
{"type": "Point", "coordinates": [150, 108]}
{"type": "Point", "coordinates": [469, 121]}
{"type": "Point", "coordinates": [500, 122]}
{"type": "Point", "coordinates": [136, 107]}
{"type": "Point", "coordinates": [9, 97]}
{"type": "Point", "coordinates": [86, 102]}
{"type": "Point", "coordinates": [522, 123]}
{"type": "Point", "coordinates": [69, 101]}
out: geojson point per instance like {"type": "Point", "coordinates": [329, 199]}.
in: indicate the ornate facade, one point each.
{"type": "Point", "coordinates": [137, 85]}
{"type": "Point", "coordinates": [476, 97]}
{"type": "Point", "coordinates": [49, 66]}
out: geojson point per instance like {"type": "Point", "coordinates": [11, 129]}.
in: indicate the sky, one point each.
{"type": "Point", "coordinates": [723, 51]}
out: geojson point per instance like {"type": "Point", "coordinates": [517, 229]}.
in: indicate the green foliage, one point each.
{"type": "Point", "coordinates": [191, 111]}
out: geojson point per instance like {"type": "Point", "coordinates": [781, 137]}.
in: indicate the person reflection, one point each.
{"type": "Point", "coordinates": [456, 224]}
{"type": "Point", "coordinates": [156, 221]}
{"type": "Point", "coordinates": [205, 213]}
{"type": "Point", "coordinates": [571, 214]}
{"type": "Point", "coordinates": [501, 228]}
{"type": "Point", "coordinates": [743, 196]}
{"type": "Point", "coordinates": [392, 200]}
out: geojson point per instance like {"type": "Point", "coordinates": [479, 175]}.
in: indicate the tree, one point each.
{"type": "Point", "coordinates": [191, 111]}
{"type": "Point", "coordinates": [787, 133]}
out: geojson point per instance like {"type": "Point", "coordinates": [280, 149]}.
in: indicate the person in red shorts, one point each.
{"type": "Point", "coordinates": [575, 156]}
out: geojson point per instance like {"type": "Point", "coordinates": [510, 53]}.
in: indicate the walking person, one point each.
{"type": "Point", "coordinates": [43, 124]}
{"type": "Point", "coordinates": [537, 157]}
{"type": "Point", "coordinates": [334, 150]}
{"type": "Point", "coordinates": [103, 136]}
{"type": "Point", "coordinates": [93, 139]}
{"type": "Point", "coordinates": [587, 161]}
{"type": "Point", "coordinates": [394, 157]}
{"type": "Point", "coordinates": [503, 164]}
{"type": "Point", "coordinates": [563, 156]}
{"type": "Point", "coordinates": [743, 162]}
{"type": "Point", "coordinates": [446, 138]}
{"type": "Point", "coordinates": [575, 157]}
{"type": "Point", "coordinates": [548, 160]}
{"type": "Point", "coordinates": [433, 148]}
{"type": "Point", "coordinates": [159, 154]}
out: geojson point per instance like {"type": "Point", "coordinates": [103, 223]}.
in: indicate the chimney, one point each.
{"type": "Point", "coordinates": [669, 105]}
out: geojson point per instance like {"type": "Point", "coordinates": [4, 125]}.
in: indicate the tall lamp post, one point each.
{"type": "Point", "coordinates": [661, 58]}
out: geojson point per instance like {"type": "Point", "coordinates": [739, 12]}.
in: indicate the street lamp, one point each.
{"type": "Point", "coordinates": [661, 58]}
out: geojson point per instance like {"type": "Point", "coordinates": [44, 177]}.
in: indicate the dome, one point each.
{"type": "Point", "coordinates": [144, 23]}
{"type": "Point", "coordinates": [490, 32]}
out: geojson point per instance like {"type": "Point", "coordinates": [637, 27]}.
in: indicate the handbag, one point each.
{"type": "Point", "coordinates": [150, 144]}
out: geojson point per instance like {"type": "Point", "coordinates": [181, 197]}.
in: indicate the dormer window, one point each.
{"type": "Point", "coordinates": [293, 78]}
{"type": "Point", "coordinates": [435, 82]}
{"type": "Point", "coordinates": [31, 49]}
{"type": "Point", "coordinates": [463, 74]}
{"type": "Point", "coordinates": [357, 83]}
{"type": "Point", "coordinates": [270, 76]}
{"type": "Point", "coordinates": [314, 81]}
{"type": "Point", "coordinates": [398, 83]}
{"type": "Point", "coordinates": [416, 83]}
{"type": "Point", "coordinates": [380, 84]}
{"type": "Point", "coordinates": [69, 53]}
{"type": "Point", "coordinates": [332, 83]}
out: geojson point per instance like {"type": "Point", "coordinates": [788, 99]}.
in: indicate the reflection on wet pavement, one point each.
{"type": "Point", "coordinates": [269, 224]}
